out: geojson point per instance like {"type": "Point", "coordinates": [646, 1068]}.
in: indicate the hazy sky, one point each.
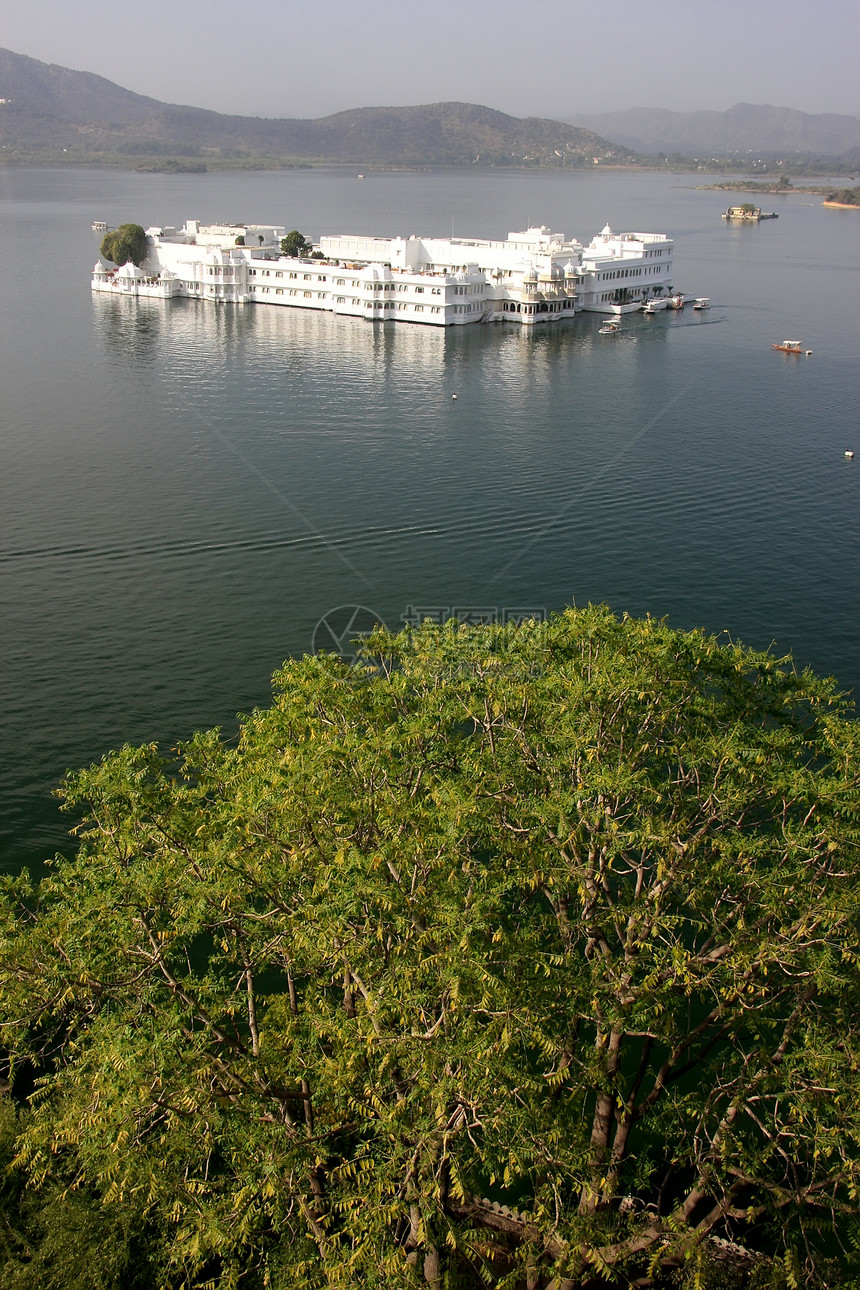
{"type": "Point", "coordinates": [527, 57]}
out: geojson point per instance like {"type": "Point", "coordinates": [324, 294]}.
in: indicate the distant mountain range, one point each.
{"type": "Point", "coordinates": [744, 129]}
{"type": "Point", "coordinates": [45, 109]}
{"type": "Point", "coordinates": [48, 107]}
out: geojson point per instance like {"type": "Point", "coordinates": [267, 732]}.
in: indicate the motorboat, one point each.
{"type": "Point", "coordinates": [654, 305]}
{"type": "Point", "coordinates": [792, 347]}
{"type": "Point", "coordinates": [701, 302]}
{"type": "Point", "coordinates": [676, 301]}
{"type": "Point", "coordinates": [609, 329]}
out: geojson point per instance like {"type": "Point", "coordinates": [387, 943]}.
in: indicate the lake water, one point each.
{"type": "Point", "coordinates": [186, 492]}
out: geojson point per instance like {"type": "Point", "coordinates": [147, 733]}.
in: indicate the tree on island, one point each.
{"type": "Point", "coordinates": [521, 957]}
{"type": "Point", "coordinates": [294, 244]}
{"type": "Point", "coordinates": [124, 245]}
{"type": "Point", "coordinates": [844, 197]}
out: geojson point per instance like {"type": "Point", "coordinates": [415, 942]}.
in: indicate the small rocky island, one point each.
{"type": "Point", "coordinates": [842, 197]}
{"type": "Point", "coordinates": [846, 198]}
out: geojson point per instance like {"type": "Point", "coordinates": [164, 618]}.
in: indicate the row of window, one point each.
{"type": "Point", "coordinates": [291, 291]}
{"type": "Point", "coordinates": [353, 301]}
{"type": "Point", "coordinates": [472, 289]}
{"type": "Point", "coordinates": [278, 273]}
{"type": "Point", "coordinates": [553, 306]}
{"type": "Point", "coordinates": [392, 286]}
{"type": "Point", "coordinates": [342, 282]}
{"type": "Point", "coordinates": [228, 287]}
{"type": "Point", "coordinates": [631, 273]}
{"type": "Point", "coordinates": [619, 273]}
{"type": "Point", "coordinates": [623, 273]}
{"type": "Point", "coordinates": [399, 305]}
{"type": "Point", "coordinates": [543, 307]}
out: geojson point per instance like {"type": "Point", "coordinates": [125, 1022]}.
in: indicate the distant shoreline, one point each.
{"type": "Point", "coordinates": [769, 190]}
{"type": "Point", "coordinates": [257, 164]}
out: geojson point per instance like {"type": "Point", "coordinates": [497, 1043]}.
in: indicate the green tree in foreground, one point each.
{"type": "Point", "coordinates": [59, 1236]}
{"type": "Point", "coordinates": [526, 958]}
{"type": "Point", "coordinates": [294, 243]}
{"type": "Point", "coordinates": [126, 244]}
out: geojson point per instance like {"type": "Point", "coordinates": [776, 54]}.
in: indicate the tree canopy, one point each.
{"type": "Point", "coordinates": [294, 243]}
{"type": "Point", "coordinates": [126, 244]}
{"type": "Point", "coordinates": [522, 957]}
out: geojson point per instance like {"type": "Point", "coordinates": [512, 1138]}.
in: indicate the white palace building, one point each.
{"type": "Point", "coordinates": [532, 277]}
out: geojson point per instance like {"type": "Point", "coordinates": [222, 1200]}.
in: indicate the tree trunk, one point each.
{"type": "Point", "coordinates": [432, 1267]}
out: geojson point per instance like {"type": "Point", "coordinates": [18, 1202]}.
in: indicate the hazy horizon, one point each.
{"type": "Point", "coordinates": [554, 59]}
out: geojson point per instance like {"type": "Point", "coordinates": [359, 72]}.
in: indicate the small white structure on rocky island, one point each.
{"type": "Point", "coordinates": [531, 277]}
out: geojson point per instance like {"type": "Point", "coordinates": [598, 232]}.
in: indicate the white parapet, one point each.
{"type": "Point", "coordinates": [129, 280]}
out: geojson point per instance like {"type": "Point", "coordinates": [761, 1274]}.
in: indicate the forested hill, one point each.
{"type": "Point", "coordinates": [49, 107]}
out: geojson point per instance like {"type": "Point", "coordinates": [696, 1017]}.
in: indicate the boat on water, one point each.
{"type": "Point", "coordinates": [99, 226]}
{"type": "Point", "coordinates": [792, 347]}
{"type": "Point", "coordinates": [676, 302]}
{"type": "Point", "coordinates": [701, 302]}
{"type": "Point", "coordinates": [655, 305]}
{"type": "Point", "coordinates": [609, 329]}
